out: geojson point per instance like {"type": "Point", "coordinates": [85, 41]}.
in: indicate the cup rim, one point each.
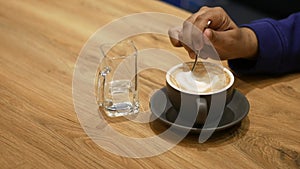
{"type": "Point", "coordinates": [200, 93]}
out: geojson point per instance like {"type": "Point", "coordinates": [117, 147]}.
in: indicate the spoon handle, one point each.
{"type": "Point", "coordinates": [195, 62]}
{"type": "Point", "coordinates": [198, 51]}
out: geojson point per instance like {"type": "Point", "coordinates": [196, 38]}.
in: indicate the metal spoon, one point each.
{"type": "Point", "coordinates": [198, 51]}
{"type": "Point", "coordinates": [194, 65]}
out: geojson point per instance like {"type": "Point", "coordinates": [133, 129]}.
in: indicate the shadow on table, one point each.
{"type": "Point", "coordinates": [218, 138]}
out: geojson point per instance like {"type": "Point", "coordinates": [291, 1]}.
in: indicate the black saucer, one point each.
{"type": "Point", "coordinates": [234, 112]}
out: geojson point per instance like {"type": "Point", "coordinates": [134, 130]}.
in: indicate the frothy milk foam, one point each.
{"type": "Point", "coordinates": [206, 78]}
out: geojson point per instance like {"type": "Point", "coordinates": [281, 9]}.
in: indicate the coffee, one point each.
{"type": "Point", "coordinates": [205, 78]}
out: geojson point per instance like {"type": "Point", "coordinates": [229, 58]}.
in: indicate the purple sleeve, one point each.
{"type": "Point", "coordinates": [279, 47]}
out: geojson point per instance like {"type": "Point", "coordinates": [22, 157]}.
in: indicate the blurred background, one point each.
{"type": "Point", "coordinates": [244, 11]}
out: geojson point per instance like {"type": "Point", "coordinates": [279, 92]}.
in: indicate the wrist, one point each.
{"type": "Point", "coordinates": [251, 43]}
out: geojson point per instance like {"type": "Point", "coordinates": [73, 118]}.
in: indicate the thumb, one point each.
{"type": "Point", "coordinates": [212, 36]}
{"type": "Point", "coordinates": [220, 38]}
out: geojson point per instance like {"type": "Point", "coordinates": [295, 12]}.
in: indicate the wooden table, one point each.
{"type": "Point", "coordinates": [40, 42]}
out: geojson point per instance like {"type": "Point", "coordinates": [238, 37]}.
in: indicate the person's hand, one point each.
{"type": "Point", "coordinates": [229, 40]}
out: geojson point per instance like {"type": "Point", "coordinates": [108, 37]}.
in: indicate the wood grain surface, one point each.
{"type": "Point", "coordinates": [39, 128]}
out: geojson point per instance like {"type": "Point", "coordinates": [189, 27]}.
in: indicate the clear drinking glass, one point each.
{"type": "Point", "coordinates": [117, 79]}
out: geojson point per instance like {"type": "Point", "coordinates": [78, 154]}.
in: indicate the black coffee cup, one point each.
{"type": "Point", "coordinates": [194, 105]}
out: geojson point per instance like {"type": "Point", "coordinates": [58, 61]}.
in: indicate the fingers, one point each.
{"type": "Point", "coordinates": [176, 38]}
{"type": "Point", "coordinates": [191, 35]}
{"type": "Point", "coordinates": [192, 31]}
{"type": "Point", "coordinates": [193, 39]}
{"type": "Point", "coordinates": [203, 21]}
{"type": "Point", "coordinates": [219, 19]}
{"type": "Point", "coordinates": [186, 33]}
{"type": "Point", "coordinates": [175, 35]}
{"type": "Point", "coordinates": [199, 40]}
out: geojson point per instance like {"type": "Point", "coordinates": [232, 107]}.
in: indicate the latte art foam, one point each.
{"type": "Point", "coordinates": [190, 82]}
{"type": "Point", "coordinates": [208, 78]}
